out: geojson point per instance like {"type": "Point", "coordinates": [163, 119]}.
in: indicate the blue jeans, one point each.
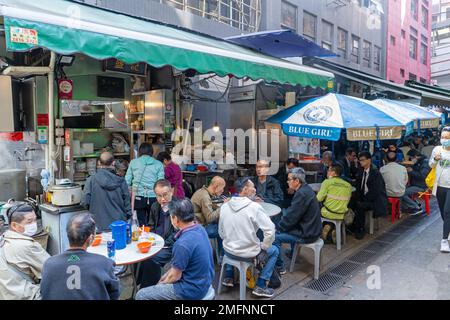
{"type": "Point", "coordinates": [281, 238]}
{"type": "Point", "coordinates": [406, 202]}
{"type": "Point", "coordinates": [266, 272]}
{"type": "Point", "coordinates": [212, 230]}
{"type": "Point", "coordinates": [158, 292]}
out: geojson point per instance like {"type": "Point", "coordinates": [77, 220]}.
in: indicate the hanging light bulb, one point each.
{"type": "Point", "coordinates": [111, 115]}
{"type": "Point", "coordinates": [216, 127]}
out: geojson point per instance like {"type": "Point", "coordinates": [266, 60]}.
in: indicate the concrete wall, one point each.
{"type": "Point", "coordinates": [352, 18]}
{"type": "Point", "coordinates": [400, 18]}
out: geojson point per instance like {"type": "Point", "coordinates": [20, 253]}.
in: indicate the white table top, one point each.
{"type": "Point", "coordinates": [131, 253]}
{"type": "Point", "coordinates": [270, 209]}
{"type": "Point", "coordinates": [316, 187]}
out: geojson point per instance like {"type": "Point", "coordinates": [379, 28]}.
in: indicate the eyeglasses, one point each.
{"type": "Point", "coordinates": [164, 196]}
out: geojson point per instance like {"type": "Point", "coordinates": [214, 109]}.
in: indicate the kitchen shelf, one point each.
{"type": "Point", "coordinates": [97, 155]}
{"type": "Point", "coordinates": [99, 130]}
{"type": "Point", "coordinates": [137, 113]}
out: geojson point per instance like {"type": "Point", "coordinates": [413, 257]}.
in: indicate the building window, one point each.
{"type": "Point", "coordinates": [327, 35]}
{"type": "Point", "coordinates": [342, 42]}
{"type": "Point", "coordinates": [364, 3]}
{"type": "Point", "coordinates": [402, 73]}
{"type": "Point", "coordinates": [415, 9]}
{"type": "Point", "coordinates": [447, 13]}
{"type": "Point", "coordinates": [377, 58]}
{"type": "Point", "coordinates": [412, 77]}
{"type": "Point", "coordinates": [403, 34]}
{"type": "Point", "coordinates": [309, 26]}
{"type": "Point", "coordinates": [424, 50]}
{"type": "Point", "coordinates": [392, 41]}
{"type": "Point", "coordinates": [423, 80]}
{"type": "Point", "coordinates": [355, 49]}
{"type": "Point", "coordinates": [424, 17]}
{"type": "Point", "coordinates": [288, 16]}
{"type": "Point", "coordinates": [412, 47]}
{"type": "Point", "coordinates": [367, 48]}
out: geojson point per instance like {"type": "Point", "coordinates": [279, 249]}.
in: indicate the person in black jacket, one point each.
{"type": "Point", "coordinates": [417, 175]}
{"type": "Point", "coordinates": [349, 165]}
{"type": "Point", "coordinates": [106, 194]}
{"type": "Point", "coordinates": [159, 223]}
{"type": "Point", "coordinates": [282, 176]}
{"type": "Point", "coordinates": [267, 187]}
{"type": "Point", "coordinates": [371, 194]}
{"type": "Point", "coordinates": [301, 221]}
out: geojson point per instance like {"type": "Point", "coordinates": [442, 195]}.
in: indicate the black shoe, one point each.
{"type": "Point", "coordinates": [359, 235]}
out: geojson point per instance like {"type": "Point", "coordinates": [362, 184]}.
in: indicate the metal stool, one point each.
{"type": "Point", "coordinates": [215, 247]}
{"type": "Point", "coordinates": [210, 295]}
{"type": "Point", "coordinates": [340, 231]}
{"type": "Point", "coordinates": [317, 247]}
{"type": "Point", "coordinates": [242, 266]}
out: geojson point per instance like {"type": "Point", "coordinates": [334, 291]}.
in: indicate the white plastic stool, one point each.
{"type": "Point", "coordinates": [210, 295]}
{"type": "Point", "coordinates": [215, 246]}
{"type": "Point", "coordinates": [372, 222]}
{"type": "Point", "coordinates": [242, 266]}
{"type": "Point", "coordinates": [316, 247]}
{"type": "Point", "coordinates": [340, 231]}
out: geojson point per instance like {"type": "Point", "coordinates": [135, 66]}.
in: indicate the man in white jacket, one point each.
{"type": "Point", "coordinates": [240, 219]}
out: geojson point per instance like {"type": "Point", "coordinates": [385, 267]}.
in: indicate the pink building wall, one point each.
{"type": "Point", "coordinates": [399, 17]}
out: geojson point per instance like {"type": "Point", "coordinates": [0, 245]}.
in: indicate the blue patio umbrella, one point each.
{"type": "Point", "coordinates": [325, 117]}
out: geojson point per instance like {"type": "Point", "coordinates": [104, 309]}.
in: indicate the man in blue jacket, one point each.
{"type": "Point", "coordinates": [106, 194]}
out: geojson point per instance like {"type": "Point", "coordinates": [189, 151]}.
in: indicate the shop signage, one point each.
{"type": "Point", "coordinates": [356, 89]}
{"type": "Point", "coordinates": [115, 65]}
{"type": "Point", "coordinates": [42, 119]}
{"type": "Point", "coordinates": [386, 133]}
{"type": "Point", "coordinates": [23, 35]}
{"type": "Point", "coordinates": [42, 135]}
{"type": "Point", "coordinates": [65, 89]}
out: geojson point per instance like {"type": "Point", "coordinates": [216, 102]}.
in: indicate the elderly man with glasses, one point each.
{"type": "Point", "coordinates": [301, 222]}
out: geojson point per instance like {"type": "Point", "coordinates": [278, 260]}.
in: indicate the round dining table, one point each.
{"type": "Point", "coordinates": [130, 255]}
{"type": "Point", "coordinates": [270, 209]}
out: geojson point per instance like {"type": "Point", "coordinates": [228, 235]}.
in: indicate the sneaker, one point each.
{"type": "Point", "coordinates": [415, 213]}
{"type": "Point", "coordinates": [444, 246]}
{"type": "Point", "coordinates": [228, 282]}
{"type": "Point", "coordinates": [281, 271]}
{"type": "Point", "coordinates": [263, 292]}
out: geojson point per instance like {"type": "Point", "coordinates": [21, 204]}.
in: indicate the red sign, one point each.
{"type": "Point", "coordinates": [42, 119]}
{"type": "Point", "coordinates": [13, 136]}
{"type": "Point", "coordinates": [65, 89]}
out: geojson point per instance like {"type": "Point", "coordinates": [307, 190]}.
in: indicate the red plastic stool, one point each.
{"type": "Point", "coordinates": [395, 208]}
{"type": "Point", "coordinates": [425, 196]}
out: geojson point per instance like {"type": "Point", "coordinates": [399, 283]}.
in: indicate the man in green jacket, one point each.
{"type": "Point", "coordinates": [334, 194]}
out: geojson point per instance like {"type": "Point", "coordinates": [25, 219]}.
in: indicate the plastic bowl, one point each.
{"type": "Point", "coordinates": [97, 241]}
{"type": "Point", "coordinates": [144, 247]}
{"type": "Point", "coordinates": [202, 168]}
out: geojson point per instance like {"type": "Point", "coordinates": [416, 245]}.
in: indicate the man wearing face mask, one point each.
{"type": "Point", "coordinates": [77, 274]}
{"type": "Point", "coordinates": [21, 257]}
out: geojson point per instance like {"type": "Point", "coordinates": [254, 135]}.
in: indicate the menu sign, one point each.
{"type": "Point", "coordinates": [24, 35]}
{"type": "Point", "coordinates": [385, 133]}
{"type": "Point", "coordinates": [115, 65]}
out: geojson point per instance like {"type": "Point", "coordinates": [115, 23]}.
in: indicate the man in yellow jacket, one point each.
{"type": "Point", "coordinates": [334, 194]}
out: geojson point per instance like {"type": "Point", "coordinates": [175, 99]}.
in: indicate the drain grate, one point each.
{"type": "Point", "coordinates": [345, 269]}
{"type": "Point", "coordinates": [376, 246]}
{"type": "Point", "coordinates": [324, 283]}
{"type": "Point", "coordinates": [362, 256]}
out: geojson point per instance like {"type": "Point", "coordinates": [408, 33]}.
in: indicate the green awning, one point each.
{"type": "Point", "coordinates": [66, 27]}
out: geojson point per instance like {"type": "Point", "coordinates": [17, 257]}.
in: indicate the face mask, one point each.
{"type": "Point", "coordinates": [445, 143]}
{"type": "Point", "coordinates": [30, 229]}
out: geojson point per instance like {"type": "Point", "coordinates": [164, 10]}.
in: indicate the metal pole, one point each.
{"type": "Point", "coordinates": [51, 116]}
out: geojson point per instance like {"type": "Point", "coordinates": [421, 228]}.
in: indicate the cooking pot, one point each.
{"type": "Point", "coordinates": [66, 194]}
